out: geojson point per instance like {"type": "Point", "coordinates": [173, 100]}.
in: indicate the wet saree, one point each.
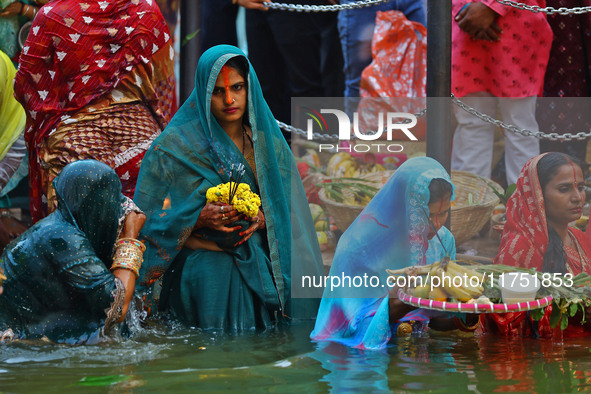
{"type": "Point", "coordinates": [391, 232]}
{"type": "Point", "coordinates": [80, 59]}
{"type": "Point", "coordinates": [249, 286]}
{"type": "Point", "coordinates": [58, 280]}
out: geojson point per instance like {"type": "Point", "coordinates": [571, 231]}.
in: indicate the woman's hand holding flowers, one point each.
{"type": "Point", "coordinates": [258, 223]}
{"type": "Point", "coordinates": [218, 216]}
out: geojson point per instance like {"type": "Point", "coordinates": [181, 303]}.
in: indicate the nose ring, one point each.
{"type": "Point", "coordinates": [233, 101]}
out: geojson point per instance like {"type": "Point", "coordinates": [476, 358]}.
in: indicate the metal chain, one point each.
{"type": "Point", "coordinates": [546, 10]}
{"type": "Point", "coordinates": [537, 134]}
{"type": "Point", "coordinates": [332, 137]}
{"type": "Point", "coordinates": [323, 8]}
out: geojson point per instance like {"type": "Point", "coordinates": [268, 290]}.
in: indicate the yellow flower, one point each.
{"type": "Point", "coordinates": [245, 201]}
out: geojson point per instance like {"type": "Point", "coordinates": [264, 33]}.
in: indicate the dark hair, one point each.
{"type": "Point", "coordinates": [439, 188]}
{"type": "Point", "coordinates": [240, 64]}
{"type": "Point", "coordinates": [555, 257]}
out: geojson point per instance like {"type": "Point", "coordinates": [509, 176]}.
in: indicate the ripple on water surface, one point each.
{"type": "Point", "coordinates": [168, 357]}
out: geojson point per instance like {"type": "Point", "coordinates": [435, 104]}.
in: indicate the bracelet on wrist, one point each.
{"type": "Point", "coordinates": [129, 254]}
{"type": "Point", "coordinates": [138, 243]}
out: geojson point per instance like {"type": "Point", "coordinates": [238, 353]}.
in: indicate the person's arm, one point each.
{"type": "Point", "coordinates": [252, 4]}
{"type": "Point", "coordinates": [195, 243]}
{"type": "Point", "coordinates": [398, 309]}
{"type": "Point", "coordinates": [19, 8]}
{"type": "Point", "coordinates": [133, 224]}
{"type": "Point", "coordinates": [88, 276]}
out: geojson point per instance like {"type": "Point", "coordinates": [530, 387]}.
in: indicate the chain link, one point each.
{"type": "Point", "coordinates": [537, 134]}
{"type": "Point", "coordinates": [323, 8]}
{"type": "Point", "coordinates": [332, 137]}
{"type": "Point", "coordinates": [546, 10]}
{"type": "Point", "coordinates": [487, 118]}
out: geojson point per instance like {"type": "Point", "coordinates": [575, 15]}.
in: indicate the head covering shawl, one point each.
{"type": "Point", "coordinates": [391, 232]}
{"type": "Point", "coordinates": [525, 235]}
{"type": "Point", "coordinates": [194, 153]}
{"type": "Point", "coordinates": [89, 197]}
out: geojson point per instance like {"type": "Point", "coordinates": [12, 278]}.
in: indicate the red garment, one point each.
{"type": "Point", "coordinates": [77, 53]}
{"type": "Point", "coordinates": [519, 324]}
{"type": "Point", "coordinates": [525, 235]}
{"type": "Point", "coordinates": [524, 243]}
{"type": "Point", "coordinates": [512, 67]}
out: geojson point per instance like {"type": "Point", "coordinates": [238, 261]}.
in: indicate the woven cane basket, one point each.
{"type": "Point", "coordinates": [468, 219]}
{"type": "Point", "coordinates": [345, 214]}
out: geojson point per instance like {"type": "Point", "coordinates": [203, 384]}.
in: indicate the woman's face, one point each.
{"type": "Point", "coordinates": [564, 195]}
{"type": "Point", "coordinates": [438, 213]}
{"type": "Point", "coordinates": [228, 101]}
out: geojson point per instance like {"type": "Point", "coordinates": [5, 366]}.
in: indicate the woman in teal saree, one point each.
{"type": "Point", "coordinates": [224, 123]}
{"type": "Point", "coordinates": [61, 274]}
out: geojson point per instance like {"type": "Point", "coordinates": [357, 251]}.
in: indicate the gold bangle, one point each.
{"type": "Point", "coordinates": [139, 244]}
{"type": "Point", "coordinates": [128, 255]}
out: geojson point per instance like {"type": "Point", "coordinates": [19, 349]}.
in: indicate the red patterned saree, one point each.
{"type": "Point", "coordinates": [90, 72]}
{"type": "Point", "coordinates": [524, 243]}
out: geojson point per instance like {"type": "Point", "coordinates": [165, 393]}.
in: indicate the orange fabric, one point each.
{"type": "Point", "coordinates": [398, 69]}
{"type": "Point", "coordinates": [399, 66]}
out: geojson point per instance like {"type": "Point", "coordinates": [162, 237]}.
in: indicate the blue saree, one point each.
{"type": "Point", "coordinates": [246, 287]}
{"type": "Point", "coordinates": [391, 232]}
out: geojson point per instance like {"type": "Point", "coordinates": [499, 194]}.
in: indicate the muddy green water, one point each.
{"type": "Point", "coordinates": [161, 358]}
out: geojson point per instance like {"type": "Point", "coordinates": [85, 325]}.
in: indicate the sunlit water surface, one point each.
{"type": "Point", "coordinates": [161, 357]}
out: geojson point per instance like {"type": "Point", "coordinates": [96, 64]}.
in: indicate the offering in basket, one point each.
{"type": "Point", "coordinates": [450, 286]}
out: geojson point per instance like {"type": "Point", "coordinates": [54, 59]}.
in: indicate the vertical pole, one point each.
{"type": "Point", "coordinates": [190, 23]}
{"type": "Point", "coordinates": [439, 81]}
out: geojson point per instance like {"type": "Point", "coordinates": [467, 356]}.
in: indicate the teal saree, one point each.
{"type": "Point", "coordinates": [58, 280]}
{"type": "Point", "coordinates": [247, 287]}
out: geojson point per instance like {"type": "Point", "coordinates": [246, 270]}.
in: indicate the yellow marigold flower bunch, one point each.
{"type": "Point", "coordinates": [244, 200]}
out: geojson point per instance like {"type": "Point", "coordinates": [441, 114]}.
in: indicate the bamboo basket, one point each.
{"type": "Point", "coordinates": [468, 220]}
{"type": "Point", "coordinates": [345, 214]}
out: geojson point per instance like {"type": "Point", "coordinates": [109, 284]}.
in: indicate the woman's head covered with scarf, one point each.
{"type": "Point", "coordinates": [549, 195]}
{"type": "Point", "coordinates": [89, 197]}
{"type": "Point", "coordinates": [199, 154]}
{"type": "Point", "coordinates": [390, 233]}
